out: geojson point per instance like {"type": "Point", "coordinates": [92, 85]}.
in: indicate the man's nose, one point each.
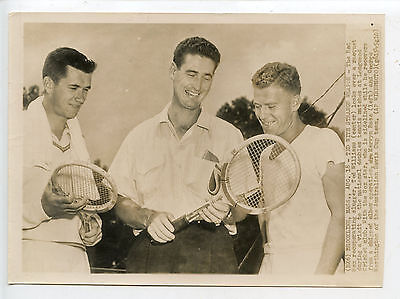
{"type": "Point", "coordinates": [80, 96]}
{"type": "Point", "coordinates": [197, 82]}
{"type": "Point", "coordinates": [265, 112]}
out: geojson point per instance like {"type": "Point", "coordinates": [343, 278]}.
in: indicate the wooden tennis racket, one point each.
{"type": "Point", "coordinates": [86, 180]}
{"type": "Point", "coordinates": [262, 174]}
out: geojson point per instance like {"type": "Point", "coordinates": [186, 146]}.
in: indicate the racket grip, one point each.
{"type": "Point", "coordinates": [180, 224]}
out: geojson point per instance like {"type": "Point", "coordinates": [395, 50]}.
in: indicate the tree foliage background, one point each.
{"type": "Point", "coordinates": [29, 95]}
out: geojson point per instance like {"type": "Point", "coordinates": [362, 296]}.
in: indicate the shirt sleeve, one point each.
{"type": "Point", "coordinates": [329, 148]}
{"type": "Point", "coordinates": [122, 170]}
{"type": "Point", "coordinates": [36, 171]}
{"type": "Point", "coordinates": [35, 180]}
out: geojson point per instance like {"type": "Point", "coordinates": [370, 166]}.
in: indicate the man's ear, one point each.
{"type": "Point", "coordinates": [48, 84]}
{"type": "Point", "coordinates": [296, 102]}
{"type": "Point", "coordinates": [172, 70]}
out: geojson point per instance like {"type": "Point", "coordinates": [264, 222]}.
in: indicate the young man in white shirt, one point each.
{"type": "Point", "coordinates": [53, 239]}
{"type": "Point", "coordinates": [307, 233]}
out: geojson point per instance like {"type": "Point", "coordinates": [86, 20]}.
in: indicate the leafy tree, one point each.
{"type": "Point", "coordinates": [310, 115]}
{"type": "Point", "coordinates": [240, 113]}
{"type": "Point", "coordinates": [30, 95]}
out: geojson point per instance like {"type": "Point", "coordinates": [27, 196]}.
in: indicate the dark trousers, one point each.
{"type": "Point", "coordinates": [200, 248]}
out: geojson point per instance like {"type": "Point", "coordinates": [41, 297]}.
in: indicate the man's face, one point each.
{"type": "Point", "coordinates": [274, 108]}
{"type": "Point", "coordinates": [192, 80]}
{"type": "Point", "coordinates": [69, 93]}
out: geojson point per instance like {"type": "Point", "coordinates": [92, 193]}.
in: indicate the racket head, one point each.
{"type": "Point", "coordinates": [262, 174]}
{"type": "Point", "coordinates": [86, 180]}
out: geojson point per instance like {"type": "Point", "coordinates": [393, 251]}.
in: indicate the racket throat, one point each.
{"type": "Point", "coordinates": [86, 221]}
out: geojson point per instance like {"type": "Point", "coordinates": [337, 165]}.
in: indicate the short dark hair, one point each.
{"type": "Point", "coordinates": [282, 74]}
{"type": "Point", "coordinates": [55, 65]}
{"type": "Point", "coordinates": [196, 46]}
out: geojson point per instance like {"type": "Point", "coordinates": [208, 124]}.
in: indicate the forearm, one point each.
{"type": "Point", "coordinates": [131, 214]}
{"type": "Point", "coordinates": [333, 247]}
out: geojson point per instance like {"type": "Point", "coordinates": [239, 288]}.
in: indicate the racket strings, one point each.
{"type": "Point", "coordinates": [279, 175]}
{"type": "Point", "coordinates": [79, 181]}
{"type": "Point", "coordinates": [262, 174]}
{"type": "Point", "coordinates": [244, 174]}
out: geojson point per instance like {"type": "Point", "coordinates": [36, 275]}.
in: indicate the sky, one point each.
{"type": "Point", "coordinates": [132, 83]}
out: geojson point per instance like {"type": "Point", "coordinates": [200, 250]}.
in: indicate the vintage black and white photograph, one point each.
{"type": "Point", "coordinates": [197, 145]}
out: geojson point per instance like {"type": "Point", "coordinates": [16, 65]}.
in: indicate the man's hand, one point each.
{"type": "Point", "coordinates": [160, 227]}
{"type": "Point", "coordinates": [55, 203]}
{"type": "Point", "coordinates": [90, 231]}
{"type": "Point", "coordinates": [215, 212]}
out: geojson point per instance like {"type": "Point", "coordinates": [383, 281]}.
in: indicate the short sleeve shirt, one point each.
{"type": "Point", "coordinates": [303, 221]}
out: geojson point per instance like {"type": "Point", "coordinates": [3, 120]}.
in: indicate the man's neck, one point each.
{"type": "Point", "coordinates": [181, 118]}
{"type": "Point", "coordinates": [57, 123]}
{"type": "Point", "coordinates": [294, 130]}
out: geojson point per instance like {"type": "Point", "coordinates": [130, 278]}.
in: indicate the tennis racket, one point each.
{"type": "Point", "coordinates": [262, 174]}
{"type": "Point", "coordinates": [86, 180]}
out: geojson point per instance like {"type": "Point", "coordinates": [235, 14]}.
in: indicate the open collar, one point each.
{"type": "Point", "coordinates": [203, 121]}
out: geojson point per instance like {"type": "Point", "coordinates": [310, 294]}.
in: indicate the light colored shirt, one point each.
{"type": "Point", "coordinates": [159, 171]}
{"type": "Point", "coordinates": [42, 154]}
{"type": "Point", "coordinates": [300, 226]}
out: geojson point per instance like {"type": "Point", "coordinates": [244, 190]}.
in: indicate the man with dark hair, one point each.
{"type": "Point", "coordinates": [53, 239]}
{"type": "Point", "coordinates": [163, 168]}
{"type": "Point", "coordinates": [307, 233]}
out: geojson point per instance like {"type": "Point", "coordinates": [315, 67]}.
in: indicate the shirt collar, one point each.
{"type": "Point", "coordinates": [204, 120]}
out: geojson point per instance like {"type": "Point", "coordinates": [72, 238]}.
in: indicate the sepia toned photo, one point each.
{"type": "Point", "coordinates": [196, 149]}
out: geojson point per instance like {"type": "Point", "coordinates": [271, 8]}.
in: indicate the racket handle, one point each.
{"type": "Point", "coordinates": [183, 221]}
{"type": "Point", "coordinates": [180, 223]}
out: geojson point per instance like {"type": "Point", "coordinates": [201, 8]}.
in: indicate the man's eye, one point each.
{"type": "Point", "coordinates": [208, 78]}
{"type": "Point", "coordinates": [191, 74]}
{"type": "Point", "coordinates": [271, 106]}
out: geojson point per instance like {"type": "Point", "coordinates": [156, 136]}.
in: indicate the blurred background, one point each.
{"type": "Point", "coordinates": [132, 84]}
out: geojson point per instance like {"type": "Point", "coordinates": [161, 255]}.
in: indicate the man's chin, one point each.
{"type": "Point", "coordinates": [269, 131]}
{"type": "Point", "coordinates": [192, 106]}
{"type": "Point", "coordinates": [72, 115]}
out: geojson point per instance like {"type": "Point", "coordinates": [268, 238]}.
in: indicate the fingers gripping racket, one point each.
{"type": "Point", "coordinates": [262, 174]}
{"type": "Point", "coordinates": [81, 180]}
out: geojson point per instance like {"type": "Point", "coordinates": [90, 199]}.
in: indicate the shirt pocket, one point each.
{"type": "Point", "coordinates": [149, 175]}
{"type": "Point", "coordinates": [197, 175]}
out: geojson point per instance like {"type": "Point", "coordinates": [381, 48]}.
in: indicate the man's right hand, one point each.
{"type": "Point", "coordinates": [160, 227]}
{"type": "Point", "coordinates": [55, 203]}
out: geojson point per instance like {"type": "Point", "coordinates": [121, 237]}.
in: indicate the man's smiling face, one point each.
{"type": "Point", "coordinates": [192, 81]}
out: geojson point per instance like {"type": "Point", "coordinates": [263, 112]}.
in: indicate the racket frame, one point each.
{"type": "Point", "coordinates": [224, 180]}
{"type": "Point", "coordinates": [113, 190]}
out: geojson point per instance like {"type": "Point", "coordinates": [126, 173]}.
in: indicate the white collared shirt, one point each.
{"type": "Point", "coordinates": [159, 171]}
{"type": "Point", "coordinates": [41, 157]}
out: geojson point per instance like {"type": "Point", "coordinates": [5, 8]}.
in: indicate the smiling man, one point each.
{"type": "Point", "coordinates": [307, 233]}
{"type": "Point", "coordinates": [53, 237]}
{"type": "Point", "coordinates": [163, 169]}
